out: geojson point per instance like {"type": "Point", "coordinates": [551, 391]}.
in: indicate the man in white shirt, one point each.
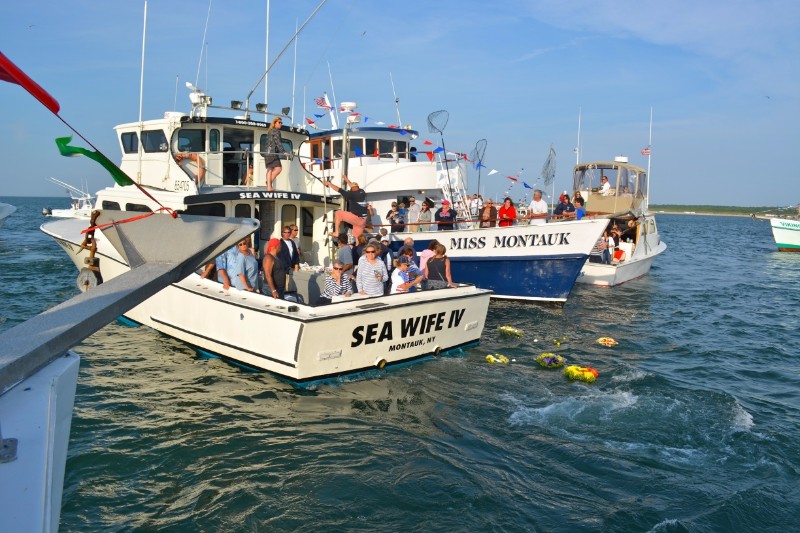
{"type": "Point", "coordinates": [605, 186]}
{"type": "Point", "coordinates": [537, 211]}
{"type": "Point", "coordinates": [413, 213]}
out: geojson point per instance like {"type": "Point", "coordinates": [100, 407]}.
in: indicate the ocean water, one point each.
{"type": "Point", "coordinates": [692, 425]}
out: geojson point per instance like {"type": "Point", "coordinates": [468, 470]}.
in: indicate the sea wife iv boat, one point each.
{"type": "Point", "coordinates": [80, 203]}
{"type": "Point", "coordinates": [38, 373]}
{"type": "Point", "coordinates": [624, 205]}
{"type": "Point", "coordinates": [524, 262]}
{"type": "Point", "coordinates": [194, 164]}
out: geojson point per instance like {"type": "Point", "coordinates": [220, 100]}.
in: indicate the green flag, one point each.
{"type": "Point", "coordinates": [72, 151]}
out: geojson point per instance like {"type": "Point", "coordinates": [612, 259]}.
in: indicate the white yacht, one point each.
{"type": "Point", "coordinates": [198, 164]}
{"type": "Point", "coordinates": [622, 205]}
{"type": "Point", "coordinates": [5, 212]}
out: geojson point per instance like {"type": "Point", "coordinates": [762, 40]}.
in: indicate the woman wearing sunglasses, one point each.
{"type": "Point", "coordinates": [372, 272]}
{"type": "Point", "coordinates": [337, 283]}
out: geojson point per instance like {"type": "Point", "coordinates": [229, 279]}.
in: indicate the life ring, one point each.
{"type": "Point", "coordinates": [551, 360]}
{"type": "Point", "coordinates": [581, 373]}
{"type": "Point", "coordinates": [607, 341]}
{"type": "Point", "coordinates": [497, 358]}
{"type": "Point", "coordinates": [508, 330]}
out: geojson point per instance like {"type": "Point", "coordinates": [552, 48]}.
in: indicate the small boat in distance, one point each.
{"type": "Point", "coordinates": [786, 230]}
{"type": "Point", "coordinates": [5, 212]}
{"type": "Point", "coordinates": [624, 202]}
{"type": "Point", "coordinates": [80, 206]}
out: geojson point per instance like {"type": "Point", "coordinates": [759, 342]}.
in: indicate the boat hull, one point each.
{"type": "Point", "coordinates": [527, 262]}
{"type": "Point", "coordinates": [299, 342]}
{"type": "Point", "coordinates": [5, 211]}
{"type": "Point", "coordinates": [786, 233]}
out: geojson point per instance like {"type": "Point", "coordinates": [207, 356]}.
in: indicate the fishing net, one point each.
{"type": "Point", "coordinates": [477, 153]}
{"type": "Point", "coordinates": [437, 121]}
{"type": "Point", "coordinates": [549, 167]}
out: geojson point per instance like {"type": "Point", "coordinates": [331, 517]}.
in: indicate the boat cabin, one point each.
{"type": "Point", "coordinates": [626, 190]}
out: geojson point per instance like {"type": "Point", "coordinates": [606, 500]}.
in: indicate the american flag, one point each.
{"type": "Point", "coordinates": [322, 103]}
{"type": "Point", "coordinates": [645, 151]}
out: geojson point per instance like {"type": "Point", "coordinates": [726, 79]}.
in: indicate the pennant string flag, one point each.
{"type": "Point", "coordinates": [493, 171]}
{"type": "Point", "coordinates": [119, 176]}
{"type": "Point", "coordinates": [358, 151]}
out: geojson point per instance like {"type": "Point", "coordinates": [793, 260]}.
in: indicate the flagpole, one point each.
{"type": "Point", "coordinates": [649, 154]}
{"type": "Point", "coordinates": [294, 71]}
{"type": "Point", "coordinates": [266, 66]}
{"type": "Point", "coordinates": [141, 92]}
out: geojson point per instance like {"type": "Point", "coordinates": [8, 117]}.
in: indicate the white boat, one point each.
{"type": "Point", "coordinates": [623, 206]}
{"type": "Point", "coordinates": [525, 262]}
{"type": "Point", "coordinates": [786, 231]}
{"type": "Point", "coordinates": [80, 203]}
{"type": "Point", "coordinates": [300, 342]}
{"type": "Point", "coordinates": [5, 212]}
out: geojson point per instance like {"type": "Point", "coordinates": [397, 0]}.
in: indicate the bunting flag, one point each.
{"type": "Point", "coordinates": [493, 171]}
{"type": "Point", "coordinates": [319, 116]}
{"type": "Point", "coordinates": [438, 149]}
{"type": "Point", "coordinates": [526, 185]}
{"type": "Point", "coordinates": [320, 101]}
{"type": "Point", "coordinates": [358, 151]}
{"type": "Point", "coordinates": [119, 176]}
{"type": "Point", "coordinates": [512, 178]}
{"type": "Point", "coordinates": [376, 153]}
{"type": "Point", "coordinates": [646, 151]}
{"type": "Point", "coordinates": [12, 74]}
{"type": "Point", "coordinates": [366, 119]}
{"type": "Point", "coordinates": [430, 155]}
{"type": "Point", "coordinates": [310, 122]}
{"type": "Point", "coordinates": [479, 165]}
{"type": "Point", "coordinates": [427, 143]}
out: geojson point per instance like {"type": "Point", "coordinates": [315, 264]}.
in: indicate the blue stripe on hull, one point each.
{"type": "Point", "coordinates": [537, 278]}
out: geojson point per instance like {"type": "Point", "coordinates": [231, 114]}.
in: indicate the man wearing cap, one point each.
{"type": "Point", "coordinates": [274, 270]}
{"type": "Point", "coordinates": [445, 217]}
{"type": "Point", "coordinates": [356, 213]}
{"type": "Point", "coordinates": [537, 211]}
{"type": "Point", "coordinates": [605, 186]}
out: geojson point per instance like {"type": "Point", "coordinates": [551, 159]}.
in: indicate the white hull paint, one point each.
{"type": "Point", "coordinates": [638, 260]}
{"type": "Point", "coordinates": [787, 233]}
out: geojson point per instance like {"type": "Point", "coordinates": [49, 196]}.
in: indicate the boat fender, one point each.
{"type": "Point", "coordinates": [437, 351]}
{"type": "Point", "coordinates": [380, 364]}
{"type": "Point", "coordinates": [88, 279]}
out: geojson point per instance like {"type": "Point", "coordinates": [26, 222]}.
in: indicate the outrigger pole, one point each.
{"type": "Point", "coordinates": [264, 75]}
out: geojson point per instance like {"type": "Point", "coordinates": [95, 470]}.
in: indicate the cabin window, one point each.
{"type": "Point", "coordinates": [211, 210]}
{"type": "Point", "coordinates": [111, 206]}
{"type": "Point", "coordinates": [242, 211]}
{"type": "Point", "coordinates": [402, 148]}
{"type": "Point", "coordinates": [337, 148]}
{"type": "Point", "coordinates": [130, 143]}
{"type": "Point", "coordinates": [386, 148]}
{"type": "Point", "coordinates": [191, 140]}
{"type": "Point", "coordinates": [154, 141]}
{"type": "Point", "coordinates": [371, 146]}
{"type": "Point", "coordinates": [288, 215]}
{"type": "Point", "coordinates": [307, 222]}
{"type": "Point", "coordinates": [213, 141]}
{"type": "Point", "coordinates": [140, 208]}
{"type": "Point", "coordinates": [356, 143]}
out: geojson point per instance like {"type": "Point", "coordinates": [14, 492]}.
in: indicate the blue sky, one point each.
{"type": "Point", "coordinates": [722, 77]}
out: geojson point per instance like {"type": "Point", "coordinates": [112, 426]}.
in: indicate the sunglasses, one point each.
{"type": "Point", "coordinates": [338, 268]}
{"type": "Point", "coordinates": [243, 244]}
{"type": "Point", "coordinates": [370, 251]}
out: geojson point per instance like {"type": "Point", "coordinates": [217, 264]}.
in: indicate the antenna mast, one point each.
{"type": "Point", "coordinates": [396, 102]}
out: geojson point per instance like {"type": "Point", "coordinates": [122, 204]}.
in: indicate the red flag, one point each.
{"type": "Point", "coordinates": [645, 151]}
{"type": "Point", "coordinates": [430, 155]}
{"type": "Point", "coordinates": [512, 178]}
{"type": "Point", "coordinates": [428, 143]}
{"type": "Point", "coordinates": [376, 153]}
{"type": "Point", "coordinates": [11, 73]}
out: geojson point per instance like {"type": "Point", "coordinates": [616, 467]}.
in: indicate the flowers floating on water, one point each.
{"type": "Point", "coordinates": [508, 330]}
{"type": "Point", "coordinates": [581, 373]}
{"type": "Point", "coordinates": [607, 341]}
{"type": "Point", "coordinates": [497, 358]}
{"type": "Point", "coordinates": [550, 360]}
{"type": "Point", "coordinates": [556, 342]}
